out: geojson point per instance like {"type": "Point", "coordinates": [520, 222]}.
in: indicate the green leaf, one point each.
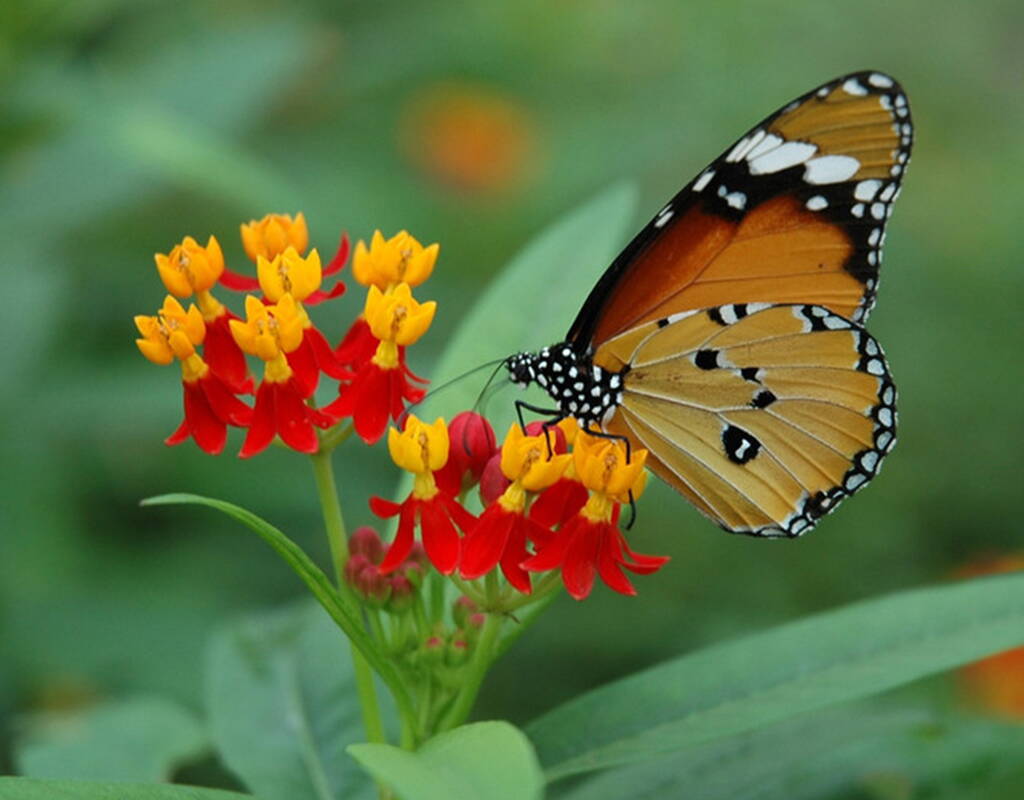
{"type": "Point", "coordinates": [33, 789]}
{"type": "Point", "coordinates": [492, 760]}
{"type": "Point", "coordinates": [135, 740]}
{"type": "Point", "coordinates": [311, 574]}
{"type": "Point", "coordinates": [534, 299]}
{"type": "Point", "coordinates": [743, 685]}
{"type": "Point", "coordinates": [282, 705]}
{"type": "Point", "coordinates": [822, 754]}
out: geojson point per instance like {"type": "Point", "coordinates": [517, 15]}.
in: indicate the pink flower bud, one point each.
{"type": "Point", "coordinates": [457, 652]}
{"type": "Point", "coordinates": [471, 444]}
{"type": "Point", "coordinates": [493, 481]}
{"type": "Point", "coordinates": [555, 435]}
{"type": "Point", "coordinates": [403, 592]}
{"type": "Point", "coordinates": [462, 609]}
{"type": "Point", "coordinates": [366, 580]}
{"type": "Point", "coordinates": [366, 542]}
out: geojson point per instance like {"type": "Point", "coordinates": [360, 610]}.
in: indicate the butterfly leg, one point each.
{"type": "Point", "coordinates": [554, 417]}
{"type": "Point", "coordinates": [615, 437]}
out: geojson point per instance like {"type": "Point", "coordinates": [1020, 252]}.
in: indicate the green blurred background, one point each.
{"type": "Point", "coordinates": [127, 124]}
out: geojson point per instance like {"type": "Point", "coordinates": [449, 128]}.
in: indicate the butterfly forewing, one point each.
{"type": "Point", "coordinates": [764, 416]}
{"type": "Point", "coordinates": [794, 212]}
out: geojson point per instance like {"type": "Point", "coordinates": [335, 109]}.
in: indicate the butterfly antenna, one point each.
{"type": "Point", "coordinates": [450, 382]}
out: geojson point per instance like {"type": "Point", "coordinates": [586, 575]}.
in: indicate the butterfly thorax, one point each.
{"type": "Point", "coordinates": [580, 388]}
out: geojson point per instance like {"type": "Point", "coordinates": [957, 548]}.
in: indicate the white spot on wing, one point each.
{"type": "Point", "coordinates": [703, 180]}
{"type": "Point", "coordinates": [782, 157]}
{"type": "Point", "coordinates": [769, 142]}
{"type": "Point", "coordinates": [830, 169]}
{"type": "Point", "coordinates": [866, 190]}
{"type": "Point", "coordinates": [852, 86]}
{"type": "Point", "coordinates": [816, 203]}
{"type": "Point", "coordinates": [880, 81]}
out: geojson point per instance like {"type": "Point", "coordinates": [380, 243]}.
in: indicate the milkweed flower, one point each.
{"type": "Point", "coordinates": [210, 405]}
{"type": "Point", "coordinates": [501, 534]}
{"type": "Point", "coordinates": [381, 386]}
{"type": "Point", "coordinates": [590, 543]}
{"type": "Point", "coordinates": [270, 333]}
{"type": "Point", "coordinates": [273, 236]}
{"type": "Point", "coordinates": [422, 450]}
{"type": "Point", "coordinates": [275, 233]}
{"type": "Point", "coordinates": [190, 268]}
{"type": "Point", "coordinates": [557, 504]}
{"type": "Point", "coordinates": [291, 274]}
{"type": "Point", "coordinates": [389, 262]}
{"type": "Point", "coordinates": [384, 263]}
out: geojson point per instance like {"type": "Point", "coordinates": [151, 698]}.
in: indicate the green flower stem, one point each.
{"type": "Point", "coordinates": [327, 490]}
{"type": "Point", "coordinates": [536, 608]}
{"type": "Point", "coordinates": [483, 657]}
{"type": "Point", "coordinates": [334, 437]}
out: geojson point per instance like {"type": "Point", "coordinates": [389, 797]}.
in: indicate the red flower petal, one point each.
{"type": "Point", "coordinates": [515, 553]}
{"type": "Point", "coordinates": [319, 296]}
{"type": "Point", "coordinates": [264, 422]}
{"type": "Point", "coordinates": [358, 345]}
{"type": "Point", "coordinates": [384, 508]}
{"type": "Point", "coordinates": [402, 546]}
{"type": "Point", "coordinates": [485, 542]}
{"type": "Point", "coordinates": [238, 283]}
{"type": "Point", "coordinates": [293, 423]}
{"type": "Point", "coordinates": [225, 357]}
{"type": "Point", "coordinates": [440, 539]}
{"type": "Point", "coordinates": [206, 428]}
{"type": "Point", "coordinates": [325, 358]}
{"type": "Point", "coordinates": [180, 434]}
{"type": "Point", "coordinates": [609, 560]}
{"type": "Point", "coordinates": [340, 256]}
{"type": "Point", "coordinates": [459, 515]}
{"type": "Point", "coordinates": [559, 502]}
{"type": "Point", "coordinates": [302, 360]}
{"type": "Point", "coordinates": [580, 565]}
{"type": "Point", "coordinates": [224, 404]}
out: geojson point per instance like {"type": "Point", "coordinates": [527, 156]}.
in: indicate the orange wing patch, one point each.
{"type": "Point", "coordinates": [794, 212]}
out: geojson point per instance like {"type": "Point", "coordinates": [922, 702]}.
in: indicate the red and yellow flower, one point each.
{"type": "Point", "coordinates": [270, 333]}
{"type": "Point", "coordinates": [190, 268]}
{"type": "Point", "coordinates": [422, 450]}
{"type": "Point", "coordinates": [590, 543]}
{"type": "Point", "coordinates": [501, 534]}
{"type": "Point", "coordinates": [384, 263]}
{"type": "Point", "coordinates": [210, 404]}
{"type": "Point", "coordinates": [382, 385]}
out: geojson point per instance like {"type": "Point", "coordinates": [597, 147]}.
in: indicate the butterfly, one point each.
{"type": "Point", "coordinates": [727, 338]}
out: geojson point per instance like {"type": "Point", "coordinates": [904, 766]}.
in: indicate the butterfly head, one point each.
{"type": "Point", "coordinates": [521, 368]}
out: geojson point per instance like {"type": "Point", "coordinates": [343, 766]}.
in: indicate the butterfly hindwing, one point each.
{"type": "Point", "coordinates": [764, 416]}
{"type": "Point", "coordinates": [793, 212]}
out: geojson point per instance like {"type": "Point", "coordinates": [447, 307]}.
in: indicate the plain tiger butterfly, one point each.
{"type": "Point", "coordinates": [727, 338]}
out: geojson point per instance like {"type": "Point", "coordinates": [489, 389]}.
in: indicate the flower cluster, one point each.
{"type": "Point", "coordinates": [374, 382]}
{"type": "Point", "coordinates": [544, 508]}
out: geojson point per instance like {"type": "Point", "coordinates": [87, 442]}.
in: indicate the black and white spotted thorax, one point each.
{"type": "Point", "coordinates": [580, 388]}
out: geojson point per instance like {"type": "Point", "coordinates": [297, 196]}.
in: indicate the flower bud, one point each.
{"type": "Point", "coordinates": [472, 442]}
{"type": "Point", "coordinates": [462, 609]}
{"type": "Point", "coordinates": [493, 482]}
{"type": "Point", "coordinates": [556, 436]}
{"type": "Point", "coordinates": [366, 542]}
{"type": "Point", "coordinates": [457, 652]}
{"type": "Point", "coordinates": [365, 579]}
{"type": "Point", "coordinates": [403, 593]}
{"type": "Point", "coordinates": [433, 650]}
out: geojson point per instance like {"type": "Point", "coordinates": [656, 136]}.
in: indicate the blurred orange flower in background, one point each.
{"type": "Point", "coordinates": [996, 683]}
{"type": "Point", "coordinates": [469, 137]}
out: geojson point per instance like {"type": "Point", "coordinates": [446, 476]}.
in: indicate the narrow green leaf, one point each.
{"type": "Point", "coordinates": [534, 299]}
{"type": "Point", "coordinates": [282, 705]}
{"type": "Point", "coordinates": [828, 658]}
{"type": "Point", "coordinates": [141, 739]}
{"type": "Point", "coordinates": [820, 755]}
{"type": "Point", "coordinates": [492, 760]}
{"type": "Point", "coordinates": [310, 573]}
{"type": "Point", "coordinates": [34, 789]}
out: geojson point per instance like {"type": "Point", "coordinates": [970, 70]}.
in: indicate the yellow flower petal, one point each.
{"type": "Point", "coordinates": [274, 234]}
{"type": "Point", "coordinates": [529, 460]}
{"type": "Point", "coordinates": [387, 262]}
{"type": "Point", "coordinates": [419, 448]}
